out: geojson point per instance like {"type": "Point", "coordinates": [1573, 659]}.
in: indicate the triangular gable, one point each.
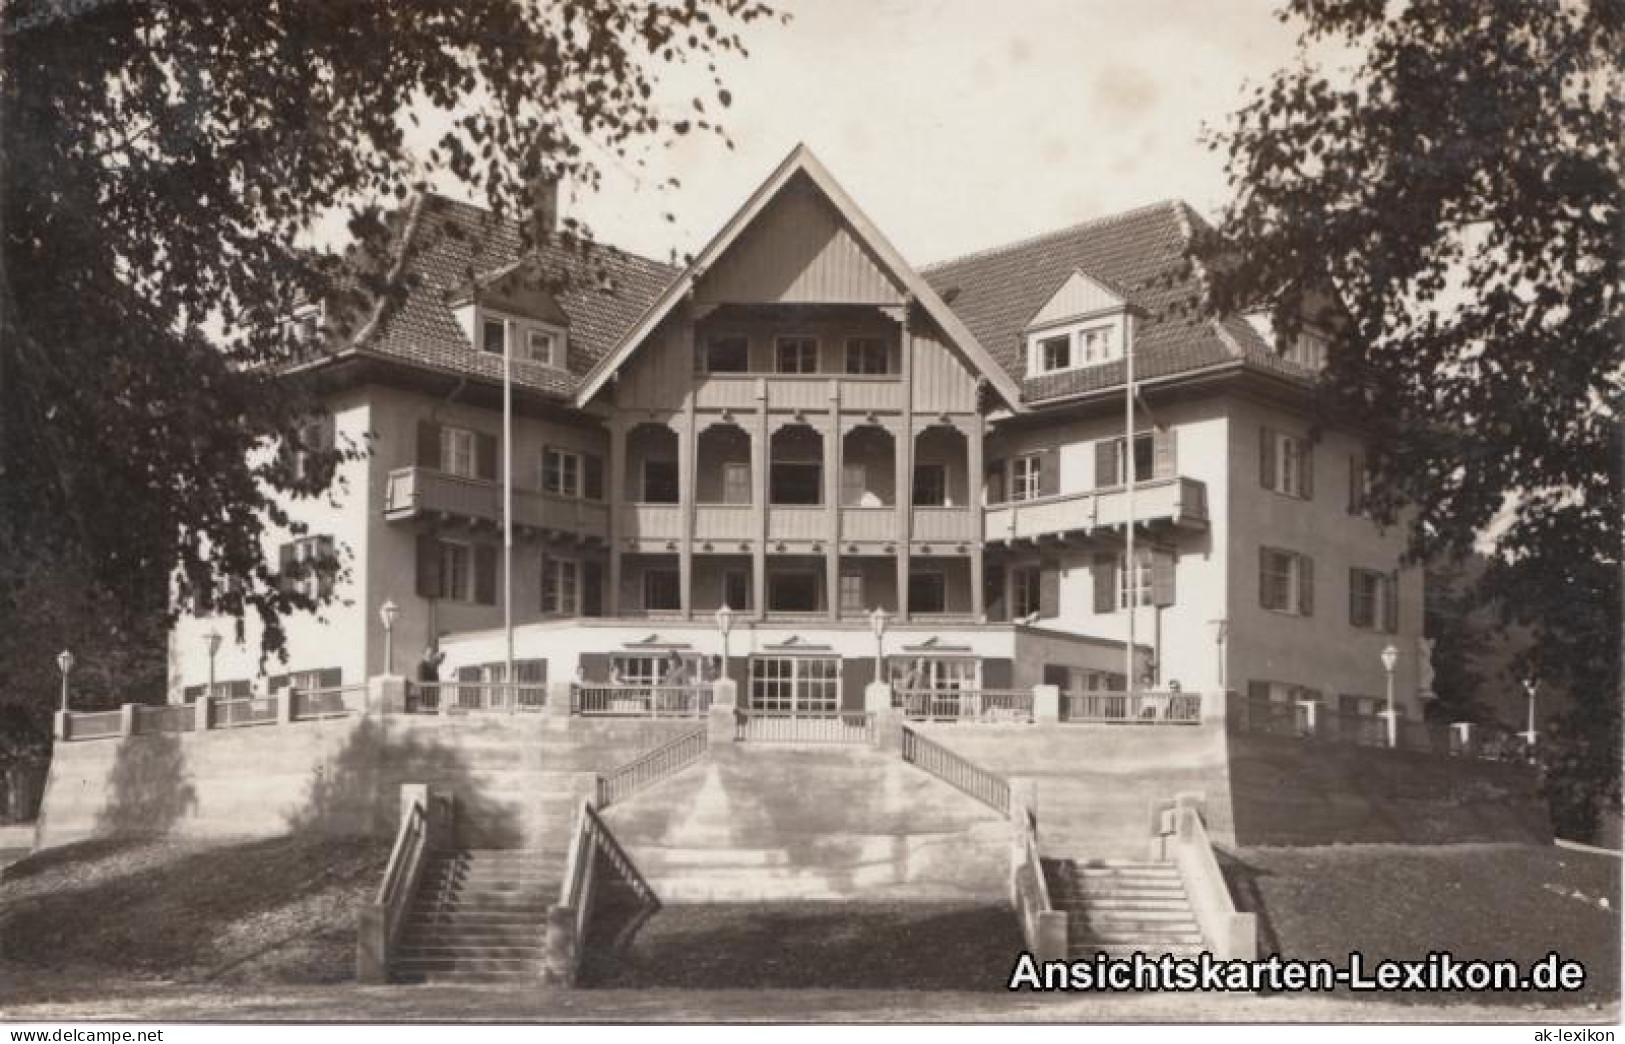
{"type": "Point", "coordinates": [1077, 297]}
{"type": "Point", "coordinates": [802, 161]}
{"type": "Point", "coordinates": [514, 289]}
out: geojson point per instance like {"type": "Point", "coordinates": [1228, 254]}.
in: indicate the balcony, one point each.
{"type": "Point", "coordinates": [943, 525]}
{"type": "Point", "coordinates": [869, 524]}
{"type": "Point", "coordinates": [859, 394]}
{"type": "Point", "coordinates": [652, 521]}
{"type": "Point", "coordinates": [414, 492]}
{"type": "Point", "coordinates": [1179, 501]}
{"type": "Point", "coordinates": [725, 523]}
{"type": "Point", "coordinates": [798, 523]}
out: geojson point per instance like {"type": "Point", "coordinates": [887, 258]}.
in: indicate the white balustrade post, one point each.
{"type": "Point", "coordinates": [386, 694]}
{"type": "Point", "coordinates": [284, 706]}
{"type": "Point", "coordinates": [1464, 735]}
{"type": "Point", "coordinates": [126, 720]}
{"type": "Point", "coordinates": [1392, 717]}
{"type": "Point", "coordinates": [560, 696]}
{"type": "Point", "coordinates": [1311, 716]}
{"type": "Point", "coordinates": [62, 725]}
{"type": "Point", "coordinates": [202, 709]}
{"type": "Point", "coordinates": [1047, 704]}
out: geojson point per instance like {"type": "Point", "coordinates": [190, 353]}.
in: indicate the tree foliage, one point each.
{"type": "Point", "coordinates": [160, 158]}
{"type": "Point", "coordinates": [1438, 186]}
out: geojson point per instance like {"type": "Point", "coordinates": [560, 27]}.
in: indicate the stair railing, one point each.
{"type": "Point", "coordinates": [990, 789]}
{"type": "Point", "coordinates": [592, 846]}
{"type": "Point", "coordinates": [1043, 927]}
{"type": "Point", "coordinates": [381, 920]}
{"type": "Point", "coordinates": [650, 768]}
{"type": "Point", "coordinates": [1229, 933]}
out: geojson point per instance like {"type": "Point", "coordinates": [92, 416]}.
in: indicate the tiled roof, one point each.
{"type": "Point", "coordinates": [448, 245]}
{"type": "Point", "coordinates": [1140, 253]}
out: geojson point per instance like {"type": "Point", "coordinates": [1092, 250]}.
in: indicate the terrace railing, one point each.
{"type": "Point", "coordinates": [593, 852]}
{"type": "Point", "coordinates": [646, 770]}
{"type": "Point", "coordinates": [256, 710]}
{"type": "Point", "coordinates": [1140, 708]}
{"type": "Point", "coordinates": [177, 717]}
{"type": "Point", "coordinates": [984, 706]}
{"type": "Point", "coordinates": [323, 703]}
{"type": "Point", "coordinates": [990, 789]}
{"type": "Point", "coordinates": [643, 701]}
{"type": "Point", "coordinates": [95, 725]}
{"type": "Point", "coordinates": [474, 697]}
{"type": "Point", "coordinates": [855, 727]}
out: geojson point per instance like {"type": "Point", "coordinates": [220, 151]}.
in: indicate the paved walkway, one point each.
{"type": "Point", "coordinates": [505, 1004]}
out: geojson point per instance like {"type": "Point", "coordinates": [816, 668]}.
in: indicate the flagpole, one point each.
{"type": "Point", "coordinates": [507, 506]}
{"type": "Point", "coordinates": [1130, 572]}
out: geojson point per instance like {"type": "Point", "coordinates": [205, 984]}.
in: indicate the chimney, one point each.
{"type": "Point", "coordinates": [544, 205]}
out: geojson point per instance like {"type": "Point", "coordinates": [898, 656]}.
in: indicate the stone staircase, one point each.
{"type": "Point", "coordinates": [480, 915]}
{"type": "Point", "coordinates": [1120, 906]}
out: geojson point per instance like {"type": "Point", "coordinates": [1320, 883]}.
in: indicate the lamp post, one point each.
{"type": "Point", "coordinates": [725, 624]}
{"type": "Point", "coordinates": [211, 641]}
{"type": "Point", "coordinates": [387, 614]}
{"type": "Point", "coordinates": [877, 625]}
{"type": "Point", "coordinates": [1531, 686]}
{"type": "Point", "coordinates": [1390, 657]}
{"type": "Point", "coordinates": [64, 663]}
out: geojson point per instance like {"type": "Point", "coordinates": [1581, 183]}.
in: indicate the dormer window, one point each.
{"type": "Point", "coordinates": [1055, 353]}
{"type": "Point", "coordinates": [1308, 350]}
{"type": "Point", "coordinates": [1084, 323]}
{"type": "Point", "coordinates": [494, 336]}
{"type": "Point", "coordinates": [543, 346]}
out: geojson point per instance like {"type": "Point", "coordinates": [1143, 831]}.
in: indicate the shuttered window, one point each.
{"type": "Point", "coordinates": [1286, 581]}
{"type": "Point", "coordinates": [561, 472]}
{"type": "Point", "coordinates": [1024, 591]}
{"type": "Point", "coordinates": [309, 566]}
{"type": "Point", "coordinates": [1286, 463]}
{"type": "Point", "coordinates": [1026, 473]}
{"type": "Point", "coordinates": [561, 586]}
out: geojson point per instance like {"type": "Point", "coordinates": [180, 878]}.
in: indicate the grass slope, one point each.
{"type": "Point", "coordinates": [829, 945]}
{"type": "Point", "coordinates": [280, 910]}
{"type": "Point", "coordinates": [1492, 902]}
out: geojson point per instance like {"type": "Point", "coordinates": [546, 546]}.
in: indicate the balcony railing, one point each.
{"type": "Point", "coordinates": [1142, 708]}
{"type": "Point", "coordinates": [474, 697]}
{"type": "Point", "coordinates": [797, 523]}
{"type": "Point", "coordinates": [943, 524]}
{"type": "Point", "coordinates": [1182, 501]}
{"type": "Point", "coordinates": [984, 706]}
{"type": "Point", "coordinates": [652, 521]}
{"type": "Point", "coordinates": [415, 490]}
{"type": "Point", "coordinates": [869, 523]}
{"type": "Point", "coordinates": [724, 522]}
{"type": "Point", "coordinates": [739, 391]}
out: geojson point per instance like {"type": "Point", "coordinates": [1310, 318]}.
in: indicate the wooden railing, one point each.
{"type": "Point", "coordinates": [641, 701]}
{"type": "Point", "coordinates": [323, 703]}
{"type": "Point", "coordinates": [990, 789]}
{"type": "Point", "coordinates": [474, 697]}
{"type": "Point", "coordinates": [593, 848]}
{"type": "Point", "coordinates": [178, 717]}
{"type": "Point", "coordinates": [984, 706]}
{"type": "Point", "coordinates": [413, 490]}
{"type": "Point", "coordinates": [1143, 708]}
{"type": "Point", "coordinates": [856, 727]}
{"type": "Point", "coordinates": [646, 770]}
{"type": "Point", "coordinates": [381, 922]}
{"type": "Point", "coordinates": [95, 725]}
{"type": "Point", "coordinates": [256, 710]}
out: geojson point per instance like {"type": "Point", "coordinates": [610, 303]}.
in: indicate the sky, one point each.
{"type": "Point", "coordinates": [960, 124]}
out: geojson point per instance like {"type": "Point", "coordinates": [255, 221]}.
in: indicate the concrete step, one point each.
{"type": "Point", "coordinates": [458, 936]}
{"type": "Point", "coordinates": [1171, 903]}
{"type": "Point", "coordinates": [1116, 914]}
{"type": "Point", "coordinates": [414, 954]}
{"type": "Point", "coordinates": [469, 978]}
{"type": "Point", "coordinates": [1095, 934]}
{"type": "Point", "coordinates": [1077, 949]}
{"type": "Point", "coordinates": [516, 967]}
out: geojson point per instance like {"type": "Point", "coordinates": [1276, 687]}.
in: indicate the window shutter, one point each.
{"type": "Point", "coordinates": [1356, 468]}
{"type": "Point", "coordinates": [1306, 585]}
{"type": "Point", "coordinates": [997, 673]}
{"type": "Point", "coordinates": [191, 693]}
{"type": "Point", "coordinates": [1266, 458]}
{"type": "Point", "coordinates": [1164, 445]}
{"type": "Point", "coordinates": [428, 445]}
{"type": "Point", "coordinates": [1354, 598]}
{"type": "Point", "coordinates": [592, 588]}
{"type": "Point", "coordinates": [1162, 577]}
{"type": "Point", "coordinates": [485, 574]}
{"type": "Point", "coordinates": [329, 677]}
{"type": "Point", "coordinates": [541, 475]}
{"type": "Point", "coordinates": [993, 594]}
{"type": "Point", "coordinates": [1258, 690]}
{"type": "Point", "coordinates": [995, 482]}
{"type": "Point", "coordinates": [327, 564]}
{"type": "Point", "coordinates": [326, 432]}
{"type": "Point", "coordinates": [1306, 469]}
{"type": "Point", "coordinates": [541, 587]}
{"type": "Point", "coordinates": [1264, 579]}
{"type": "Point", "coordinates": [1049, 472]}
{"type": "Point", "coordinates": [1049, 591]}
{"type": "Point", "coordinates": [595, 666]}
{"type": "Point", "coordinates": [1057, 675]}
{"type": "Point", "coordinates": [428, 580]}
{"type": "Point", "coordinates": [285, 567]}
{"type": "Point", "coordinates": [1106, 463]}
{"type": "Point", "coordinates": [592, 479]}
{"type": "Point", "coordinates": [1390, 603]}
{"type": "Point", "coordinates": [276, 683]}
{"type": "Point", "coordinates": [485, 455]}
{"type": "Point", "coordinates": [468, 674]}
{"type": "Point", "coordinates": [1105, 573]}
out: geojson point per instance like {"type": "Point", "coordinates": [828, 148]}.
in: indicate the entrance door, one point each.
{"type": "Point", "coordinates": [799, 685]}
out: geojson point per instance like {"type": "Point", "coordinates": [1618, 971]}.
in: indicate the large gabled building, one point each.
{"type": "Point", "coordinates": [802, 426]}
